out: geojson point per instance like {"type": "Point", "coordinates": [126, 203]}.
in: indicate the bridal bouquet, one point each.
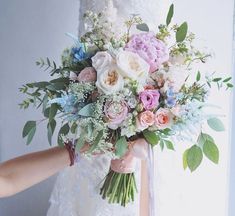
{"type": "Point", "coordinates": [115, 87]}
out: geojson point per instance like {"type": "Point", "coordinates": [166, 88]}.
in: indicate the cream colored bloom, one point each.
{"type": "Point", "coordinates": [132, 66]}
{"type": "Point", "coordinates": [101, 60]}
{"type": "Point", "coordinates": [110, 80]}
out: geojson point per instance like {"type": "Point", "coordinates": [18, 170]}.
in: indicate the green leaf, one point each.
{"type": "Point", "coordinates": [162, 144]}
{"type": "Point", "coordinates": [217, 79]}
{"type": "Point", "coordinates": [169, 144]}
{"type": "Point", "coordinates": [80, 142]}
{"type": "Point", "coordinates": [216, 124]}
{"type": "Point", "coordinates": [40, 84]}
{"type": "Point", "coordinates": [194, 157]}
{"type": "Point", "coordinates": [170, 14]}
{"type": "Point", "coordinates": [185, 164]}
{"type": "Point", "coordinates": [142, 27]}
{"type": "Point", "coordinates": [198, 76]}
{"type": "Point", "coordinates": [229, 85]}
{"type": "Point", "coordinates": [96, 142]}
{"type": "Point", "coordinates": [121, 147]}
{"type": "Point", "coordinates": [53, 111]}
{"type": "Point", "coordinates": [50, 129]}
{"type": "Point", "coordinates": [73, 128]}
{"type": "Point", "coordinates": [87, 110]}
{"type": "Point", "coordinates": [29, 125]}
{"type": "Point", "coordinates": [203, 137]}
{"type": "Point", "coordinates": [151, 137]}
{"type": "Point", "coordinates": [227, 79]}
{"type": "Point", "coordinates": [64, 130]}
{"type": "Point", "coordinates": [44, 102]}
{"type": "Point", "coordinates": [31, 135]}
{"type": "Point", "coordinates": [181, 32]}
{"type": "Point", "coordinates": [211, 151]}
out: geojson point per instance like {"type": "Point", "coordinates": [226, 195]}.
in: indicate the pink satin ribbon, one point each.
{"type": "Point", "coordinates": [137, 150]}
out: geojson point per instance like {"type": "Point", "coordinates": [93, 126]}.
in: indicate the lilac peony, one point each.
{"type": "Point", "coordinates": [152, 50]}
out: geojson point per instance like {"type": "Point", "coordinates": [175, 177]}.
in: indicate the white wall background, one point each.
{"type": "Point", "coordinates": [29, 29]}
{"type": "Point", "coordinates": [32, 29]}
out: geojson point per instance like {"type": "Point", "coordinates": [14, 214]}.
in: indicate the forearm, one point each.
{"type": "Point", "coordinates": [22, 172]}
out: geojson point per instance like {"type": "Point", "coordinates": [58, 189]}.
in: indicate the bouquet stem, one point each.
{"type": "Point", "coordinates": [119, 188]}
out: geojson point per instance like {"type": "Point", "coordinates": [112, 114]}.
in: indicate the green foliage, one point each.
{"type": "Point", "coordinates": [80, 142]}
{"type": "Point", "coordinates": [87, 110]}
{"type": "Point", "coordinates": [142, 27]}
{"type": "Point", "coordinates": [211, 151]}
{"type": "Point", "coordinates": [170, 14]}
{"type": "Point", "coordinates": [181, 32]}
{"type": "Point", "coordinates": [185, 156]}
{"type": "Point", "coordinates": [151, 137]}
{"type": "Point", "coordinates": [209, 147]}
{"type": "Point", "coordinates": [198, 77]}
{"type": "Point", "coordinates": [29, 131]}
{"type": "Point", "coordinates": [121, 147]}
{"type": "Point", "coordinates": [64, 130]}
{"type": "Point", "coordinates": [50, 129]}
{"type": "Point", "coordinates": [219, 81]}
{"type": "Point", "coordinates": [216, 124]}
{"type": "Point", "coordinates": [96, 141]}
{"type": "Point", "coordinates": [194, 157]}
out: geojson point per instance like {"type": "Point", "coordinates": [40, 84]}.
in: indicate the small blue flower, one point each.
{"type": "Point", "coordinates": [78, 53]}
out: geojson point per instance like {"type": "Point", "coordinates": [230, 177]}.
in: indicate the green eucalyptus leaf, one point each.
{"type": "Point", "coordinates": [50, 129]}
{"type": "Point", "coordinates": [203, 137]}
{"type": "Point", "coordinates": [216, 124]}
{"type": "Point", "coordinates": [185, 164]}
{"type": "Point", "coordinates": [198, 76]}
{"type": "Point", "coordinates": [229, 85]}
{"type": "Point", "coordinates": [217, 79]}
{"type": "Point", "coordinates": [194, 157]}
{"type": "Point", "coordinates": [64, 130]}
{"type": "Point", "coordinates": [44, 102]}
{"type": "Point", "coordinates": [227, 79]}
{"type": "Point", "coordinates": [29, 125]}
{"type": "Point", "coordinates": [40, 84]}
{"type": "Point", "coordinates": [31, 135]}
{"type": "Point", "coordinates": [151, 137]}
{"type": "Point", "coordinates": [143, 27]}
{"type": "Point", "coordinates": [73, 128]}
{"type": "Point", "coordinates": [211, 151]}
{"type": "Point", "coordinates": [121, 147]}
{"type": "Point", "coordinates": [181, 32]}
{"type": "Point", "coordinates": [170, 14]}
{"type": "Point", "coordinates": [53, 111]}
{"type": "Point", "coordinates": [87, 110]}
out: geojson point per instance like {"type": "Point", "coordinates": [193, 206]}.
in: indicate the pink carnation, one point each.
{"type": "Point", "coordinates": [152, 50]}
{"type": "Point", "coordinates": [149, 98]}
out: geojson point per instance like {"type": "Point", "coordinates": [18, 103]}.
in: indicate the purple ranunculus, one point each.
{"type": "Point", "coordinates": [152, 50]}
{"type": "Point", "coordinates": [150, 98]}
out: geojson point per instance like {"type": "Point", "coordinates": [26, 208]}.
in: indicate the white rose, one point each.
{"type": "Point", "coordinates": [110, 80]}
{"type": "Point", "coordinates": [132, 66]}
{"type": "Point", "coordinates": [101, 60]}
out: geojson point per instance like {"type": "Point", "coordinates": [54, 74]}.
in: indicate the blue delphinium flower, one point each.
{"type": "Point", "coordinates": [171, 97]}
{"type": "Point", "coordinates": [78, 53]}
{"type": "Point", "coordinates": [67, 102]}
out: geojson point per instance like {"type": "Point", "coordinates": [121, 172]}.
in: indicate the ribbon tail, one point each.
{"type": "Point", "coordinates": [151, 171]}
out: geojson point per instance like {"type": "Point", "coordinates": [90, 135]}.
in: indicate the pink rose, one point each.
{"type": "Point", "coordinates": [163, 118]}
{"type": "Point", "coordinates": [145, 119]}
{"type": "Point", "coordinates": [149, 98]}
{"type": "Point", "coordinates": [115, 112]}
{"type": "Point", "coordinates": [152, 50]}
{"type": "Point", "coordinates": [88, 74]}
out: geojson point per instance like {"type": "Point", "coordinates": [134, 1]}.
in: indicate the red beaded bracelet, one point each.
{"type": "Point", "coordinates": [71, 150]}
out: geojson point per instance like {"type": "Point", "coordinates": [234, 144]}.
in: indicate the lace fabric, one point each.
{"type": "Point", "coordinates": [76, 192]}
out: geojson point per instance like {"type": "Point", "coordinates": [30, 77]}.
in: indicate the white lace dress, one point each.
{"type": "Point", "coordinates": [76, 191]}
